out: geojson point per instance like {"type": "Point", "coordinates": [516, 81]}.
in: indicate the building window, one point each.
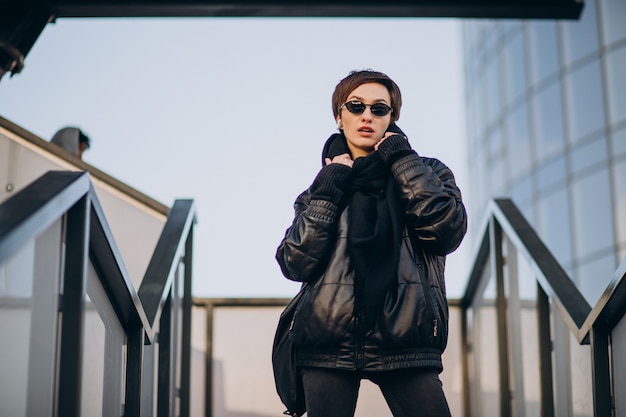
{"type": "Point", "coordinates": [551, 174]}
{"type": "Point", "coordinates": [592, 213]}
{"type": "Point", "coordinates": [545, 57]}
{"type": "Point", "coordinates": [586, 109]}
{"type": "Point", "coordinates": [554, 225]}
{"type": "Point", "coordinates": [618, 143]}
{"type": "Point", "coordinates": [588, 155]}
{"type": "Point", "coordinates": [548, 112]}
{"type": "Point", "coordinates": [616, 66]}
{"type": "Point", "coordinates": [518, 149]}
{"type": "Point", "coordinates": [594, 276]}
{"type": "Point", "coordinates": [515, 67]}
{"type": "Point", "coordinates": [613, 14]}
{"type": "Point", "coordinates": [580, 37]}
{"type": "Point", "coordinates": [619, 191]}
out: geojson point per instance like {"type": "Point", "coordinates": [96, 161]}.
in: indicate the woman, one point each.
{"type": "Point", "coordinates": [369, 239]}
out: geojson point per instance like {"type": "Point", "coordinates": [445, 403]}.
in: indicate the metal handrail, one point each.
{"type": "Point", "coordinates": [65, 193]}
{"type": "Point", "coordinates": [574, 308]}
{"type": "Point", "coordinates": [30, 212]}
{"type": "Point", "coordinates": [107, 261]}
{"type": "Point", "coordinates": [590, 326]}
{"type": "Point", "coordinates": [171, 245]}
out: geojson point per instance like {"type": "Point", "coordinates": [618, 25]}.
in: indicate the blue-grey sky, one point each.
{"type": "Point", "coordinates": [233, 112]}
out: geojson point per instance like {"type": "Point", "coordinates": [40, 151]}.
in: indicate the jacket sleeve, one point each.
{"type": "Point", "coordinates": [434, 209]}
{"type": "Point", "coordinates": [306, 248]}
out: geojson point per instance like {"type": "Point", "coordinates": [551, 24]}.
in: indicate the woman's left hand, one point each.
{"type": "Point", "coordinates": [387, 134]}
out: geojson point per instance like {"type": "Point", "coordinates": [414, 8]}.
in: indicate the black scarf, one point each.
{"type": "Point", "coordinates": [374, 229]}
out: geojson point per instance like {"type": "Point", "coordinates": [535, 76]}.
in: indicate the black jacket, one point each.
{"type": "Point", "coordinates": [412, 329]}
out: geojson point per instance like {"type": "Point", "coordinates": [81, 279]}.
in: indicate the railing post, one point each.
{"type": "Point", "coordinates": [497, 269]}
{"type": "Point", "coordinates": [72, 307]}
{"type": "Point", "coordinates": [134, 375]}
{"type": "Point", "coordinates": [185, 372]}
{"type": "Point", "coordinates": [546, 405]}
{"type": "Point", "coordinates": [600, 370]}
{"type": "Point", "coordinates": [465, 352]}
{"type": "Point", "coordinates": [164, 386]}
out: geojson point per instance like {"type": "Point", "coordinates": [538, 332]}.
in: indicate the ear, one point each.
{"type": "Point", "coordinates": [339, 124]}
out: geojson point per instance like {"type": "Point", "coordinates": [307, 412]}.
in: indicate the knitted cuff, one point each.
{"type": "Point", "coordinates": [394, 148]}
{"type": "Point", "coordinates": [331, 182]}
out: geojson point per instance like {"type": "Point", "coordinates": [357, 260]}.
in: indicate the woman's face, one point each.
{"type": "Point", "coordinates": [365, 130]}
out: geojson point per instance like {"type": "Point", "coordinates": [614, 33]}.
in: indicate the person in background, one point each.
{"type": "Point", "coordinates": [369, 241]}
{"type": "Point", "coordinates": [73, 140]}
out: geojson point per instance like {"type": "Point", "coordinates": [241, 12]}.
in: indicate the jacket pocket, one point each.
{"type": "Point", "coordinates": [324, 317]}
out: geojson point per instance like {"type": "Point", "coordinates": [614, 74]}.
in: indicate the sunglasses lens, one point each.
{"type": "Point", "coordinates": [355, 107]}
{"type": "Point", "coordinates": [380, 109]}
{"type": "Point", "coordinates": [377, 109]}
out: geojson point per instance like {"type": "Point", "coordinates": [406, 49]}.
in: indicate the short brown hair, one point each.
{"type": "Point", "coordinates": [356, 78]}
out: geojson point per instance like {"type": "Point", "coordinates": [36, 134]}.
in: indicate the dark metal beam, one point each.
{"type": "Point", "coordinates": [30, 212]}
{"type": "Point", "coordinates": [519, 9]}
{"type": "Point", "coordinates": [155, 285]}
{"type": "Point", "coordinates": [22, 21]}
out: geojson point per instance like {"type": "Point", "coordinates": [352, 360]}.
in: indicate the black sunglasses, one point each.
{"type": "Point", "coordinates": [356, 107]}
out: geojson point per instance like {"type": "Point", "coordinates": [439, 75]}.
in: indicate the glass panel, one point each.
{"type": "Point", "coordinates": [515, 67]}
{"type": "Point", "coordinates": [549, 121]}
{"type": "Point", "coordinates": [582, 386]}
{"type": "Point", "coordinates": [618, 143]}
{"type": "Point", "coordinates": [42, 362]}
{"type": "Point", "coordinates": [528, 341]}
{"type": "Point", "coordinates": [522, 190]}
{"type": "Point", "coordinates": [487, 386]}
{"type": "Point", "coordinates": [29, 293]}
{"type": "Point", "coordinates": [616, 64]}
{"type": "Point", "coordinates": [493, 84]}
{"type": "Point", "coordinates": [242, 380]}
{"type": "Point", "coordinates": [15, 323]}
{"type": "Point", "coordinates": [619, 195]}
{"type": "Point", "coordinates": [581, 36]}
{"type": "Point", "coordinates": [554, 225]}
{"type": "Point", "coordinates": [551, 173]}
{"type": "Point", "coordinates": [453, 364]}
{"type": "Point", "coordinates": [198, 361]}
{"type": "Point", "coordinates": [519, 141]}
{"type": "Point", "coordinates": [594, 276]}
{"type": "Point", "coordinates": [560, 335]}
{"type": "Point", "coordinates": [496, 142]}
{"type": "Point", "coordinates": [545, 57]}
{"type": "Point", "coordinates": [497, 177]}
{"type": "Point", "coordinates": [618, 347]}
{"type": "Point", "coordinates": [509, 26]}
{"type": "Point", "coordinates": [589, 154]}
{"type": "Point", "coordinates": [613, 17]}
{"type": "Point", "coordinates": [104, 354]}
{"type": "Point", "coordinates": [592, 213]}
{"type": "Point", "coordinates": [586, 114]}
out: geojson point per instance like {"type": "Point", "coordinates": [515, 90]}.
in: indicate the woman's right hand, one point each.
{"type": "Point", "coordinates": [343, 159]}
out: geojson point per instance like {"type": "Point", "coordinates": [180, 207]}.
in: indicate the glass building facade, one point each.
{"type": "Point", "coordinates": [546, 121]}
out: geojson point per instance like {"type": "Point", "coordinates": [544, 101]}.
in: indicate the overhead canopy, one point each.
{"type": "Point", "coordinates": [22, 21]}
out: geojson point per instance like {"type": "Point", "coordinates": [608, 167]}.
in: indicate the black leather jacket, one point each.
{"type": "Point", "coordinates": [412, 329]}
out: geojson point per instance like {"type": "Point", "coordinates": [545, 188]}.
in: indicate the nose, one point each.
{"type": "Point", "coordinates": [367, 113]}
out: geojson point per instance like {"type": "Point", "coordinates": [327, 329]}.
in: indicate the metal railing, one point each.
{"type": "Point", "coordinates": [149, 318]}
{"type": "Point", "coordinates": [505, 235]}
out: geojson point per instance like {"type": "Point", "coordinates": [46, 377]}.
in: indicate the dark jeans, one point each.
{"type": "Point", "coordinates": [412, 392]}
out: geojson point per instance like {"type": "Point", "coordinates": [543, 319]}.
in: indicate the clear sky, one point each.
{"type": "Point", "coordinates": [233, 112]}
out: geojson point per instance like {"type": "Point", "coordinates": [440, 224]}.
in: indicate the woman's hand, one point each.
{"type": "Point", "coordinates": [343, 159]}
{"type": "Point", "coordinates": [387, 134]}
